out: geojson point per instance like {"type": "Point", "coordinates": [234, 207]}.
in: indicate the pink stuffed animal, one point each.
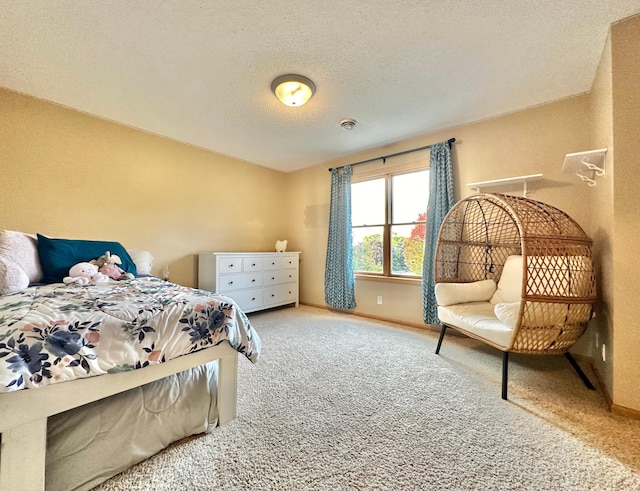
{"type": "Point", "coordinates": [85, 274]}
{"type": "Point", "coordinates": [111, 270]}
{"type": "Point", "coordinates": [108, 264]}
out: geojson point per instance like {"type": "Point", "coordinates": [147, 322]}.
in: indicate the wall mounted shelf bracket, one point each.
{"type": "Point", "coordinates": [583, 163]}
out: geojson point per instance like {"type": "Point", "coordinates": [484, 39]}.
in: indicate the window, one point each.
{"type": "Point", "coordinates": [389, 222]}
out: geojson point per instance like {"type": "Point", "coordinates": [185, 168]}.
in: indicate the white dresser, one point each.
{"type": "Point", "coordinates": [255, 280]}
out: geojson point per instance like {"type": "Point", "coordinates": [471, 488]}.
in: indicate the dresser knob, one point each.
{"type": "Point", "coordinates": [231, 282]}
{"type": "Point", "coordinates": [253, 264]}
{"type": "Point", "coordinates": [231, 265]}
{"type": "Point", "coordinates": [272, 278]}
{"type": "Point", "coordinates": [253, 280]}
{"type": "Point", "coordinates": [253, 299]}
{"type": "Point", "coordinates": [273, 295]}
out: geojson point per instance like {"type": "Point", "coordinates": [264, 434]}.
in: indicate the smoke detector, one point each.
{"type": "Point", "coordinates": [348, 124]}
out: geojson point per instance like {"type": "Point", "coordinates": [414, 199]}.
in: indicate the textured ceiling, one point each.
{"type": "Point", "coordinates": [200, 71]}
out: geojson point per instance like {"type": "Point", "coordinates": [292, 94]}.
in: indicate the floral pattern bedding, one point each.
{"type": "Point", "coordinates": [57, 332]}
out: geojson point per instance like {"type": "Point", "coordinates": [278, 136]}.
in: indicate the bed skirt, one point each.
{"type": "Point", "coordinates": [92, 443]}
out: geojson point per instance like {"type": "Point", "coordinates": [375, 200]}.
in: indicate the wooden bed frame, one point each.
{"type": "Point", "coordinates": [23, 423]}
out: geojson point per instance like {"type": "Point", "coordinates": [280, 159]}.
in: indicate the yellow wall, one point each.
{"type": "Point", "coordinates": [615, 213]}
{"type": "Point", "coordinates": [601, 207]}
{"type": "Point", "coordinates": [625, 62]}
{"type": "Point", "coordinates": [68, 174]}
{"type": "Point", "coordinates": [527, 142]}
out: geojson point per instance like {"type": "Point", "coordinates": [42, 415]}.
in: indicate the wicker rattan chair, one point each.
{"type": "Point", "coordinates": [558, 287]}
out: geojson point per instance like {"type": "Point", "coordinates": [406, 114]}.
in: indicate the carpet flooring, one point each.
{"type": "Point", "coordinates": [338, 402]}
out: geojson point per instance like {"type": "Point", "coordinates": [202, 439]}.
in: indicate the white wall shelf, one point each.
{"type": "Point", "coordinates": [591, 161]}
{"type": "Point", "coordinates": [477, 186]}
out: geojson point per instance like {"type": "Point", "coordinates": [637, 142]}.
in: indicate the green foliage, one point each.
{"type": "Point", "coordinates": [367, 256]}
{"type": "Point", "coordinates": [398, 265]}
{"type": "Point", "coordinates": [413, 255]}
{"type": "Point", "coordinates": [406, 252]}
{"type": "Point", "coordinates": [414, 246]}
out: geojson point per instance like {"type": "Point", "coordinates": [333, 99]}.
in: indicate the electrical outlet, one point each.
{"type": "Point", "coordinates": [604, 352]}
{"type": "Point", "coordinates": [379, 300]}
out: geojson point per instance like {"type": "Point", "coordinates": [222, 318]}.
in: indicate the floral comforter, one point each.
{"type": "Point", "coordinates": [57, 332]}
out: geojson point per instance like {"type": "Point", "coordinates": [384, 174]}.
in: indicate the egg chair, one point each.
{"type": "Point", "coordinates": [516, 274]}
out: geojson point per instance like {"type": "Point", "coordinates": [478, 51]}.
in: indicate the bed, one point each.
{"type": "Point", "coordinates": [77, 363]}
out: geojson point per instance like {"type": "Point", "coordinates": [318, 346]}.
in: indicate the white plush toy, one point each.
{"type": "Point", "coordinates": [85, 274]}
{"type": "Point", "coordinates": [281, 245]}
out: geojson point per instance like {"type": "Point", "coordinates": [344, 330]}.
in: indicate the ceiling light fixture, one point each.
{"type": "Point", "coordinates": [293, 90]}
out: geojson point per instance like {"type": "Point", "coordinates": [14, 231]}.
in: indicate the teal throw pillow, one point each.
{"type": "Point", "coordinates": [58, 255]}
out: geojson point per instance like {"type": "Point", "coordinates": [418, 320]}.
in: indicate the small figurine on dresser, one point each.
{"type": "Point", "coordinates": [281, 245]}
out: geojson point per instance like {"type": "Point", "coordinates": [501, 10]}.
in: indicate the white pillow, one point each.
{"type": "Point", "coordinates": [13, 278]}
{"type": "Point", "coordinates": [510, 284]}
{"type": "Point", "coordinates": [454, 293]}
{"type": "Point", "coordinates": [21, 249]}
{"type": "Point", "coordinates": [507, 313]}
{"type": "Point", "coordinates": [143, 260]}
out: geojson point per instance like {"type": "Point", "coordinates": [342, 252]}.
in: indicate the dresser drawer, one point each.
{"type": "Point", "coordinates": [230, 282]}
{"type": "Point", "coordinates": [280, 262]}
{"type": "Point", "coordinates": [251, 264]}
{"type": "Point", "coordinates": [230, 265]}
{"type": "Point", "coordinates": [286, 292]}
{"type": "Point", "coordinates": [248, 300]}
{"type": "Point", "coordinates": [279, 276]}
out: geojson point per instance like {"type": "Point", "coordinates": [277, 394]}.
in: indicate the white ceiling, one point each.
{"type": "Point", "coordinates": [199, 71]}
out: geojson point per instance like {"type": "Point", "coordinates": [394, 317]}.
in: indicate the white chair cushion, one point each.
{"type": "Point", "coordinates": [508, 313]}
{"type": "Point", "coordinates": [510, 285]}
{"type": "Point", "coordinates": [454, 293]}
{"type": "Point", "coordinates": [478, 318]}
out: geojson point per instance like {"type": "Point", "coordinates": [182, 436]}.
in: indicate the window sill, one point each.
{"type": "Point", "coordinates": [389, 279]}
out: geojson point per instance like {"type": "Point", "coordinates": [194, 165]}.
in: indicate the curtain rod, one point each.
{"type": "Point", "coordinates": [385, 157]}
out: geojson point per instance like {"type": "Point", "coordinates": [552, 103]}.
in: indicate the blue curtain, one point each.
{"type": "Point", "coordinates": [339, 282]}
{"type": "Point", "coordinates": [440, 202]}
